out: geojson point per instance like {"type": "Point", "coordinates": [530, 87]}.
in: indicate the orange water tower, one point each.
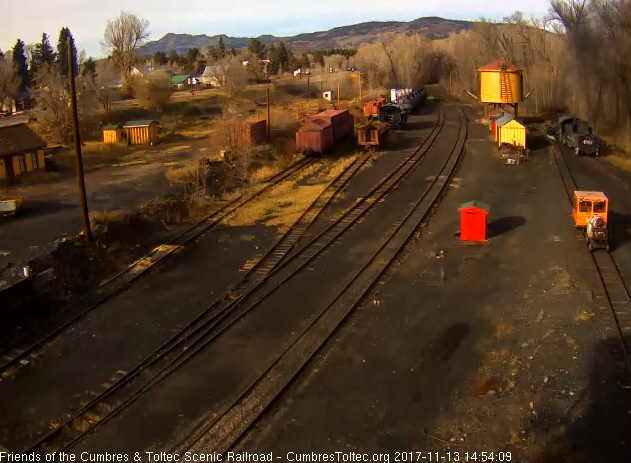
{"type": "Point", "coordinates": [501, 83]}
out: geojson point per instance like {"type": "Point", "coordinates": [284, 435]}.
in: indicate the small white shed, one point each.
{"type": "Point", "coordinates": [329, 95]}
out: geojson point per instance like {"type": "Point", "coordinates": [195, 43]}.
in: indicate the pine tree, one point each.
{"type": "Point", "coordinates": [62, 52]}
{"type": "Point", "coordinates": [20, 66]}
{"type": "Point", "coordinates": [160, 58]}
{"type": "Point", "coordinates": [173, 57]}
{"type": "Point", "coordinates": [89, 68]}
{"type": "Point", "coordinates": [43, 55]}
{"type": "Point", "coordinates": [221, 48]}
{"type": "Point", "coordinates": [257, 48]}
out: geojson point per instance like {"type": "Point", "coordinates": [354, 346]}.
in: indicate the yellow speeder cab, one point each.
{"type": "Point", "coordinates": [588, 204]}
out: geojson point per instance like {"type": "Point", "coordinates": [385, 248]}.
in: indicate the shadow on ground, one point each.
{"type": "Point", "coordinates": [619, 228]}
{"type": "Point", "coordinates": [33, 207]}
{"type": "Point", "coordinates": [504, 225]}
{"type": "Point", "coordinates": [602, 433]}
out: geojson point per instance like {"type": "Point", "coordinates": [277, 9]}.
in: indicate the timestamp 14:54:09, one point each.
{"type": "Point", "coordinates": [481, 457]}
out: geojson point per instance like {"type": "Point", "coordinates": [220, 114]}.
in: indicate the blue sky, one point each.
{"type": "Point", "coordinates": [87, 18]}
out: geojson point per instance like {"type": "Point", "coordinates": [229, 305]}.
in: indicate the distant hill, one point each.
{"type": "Point", "coordinates": [339, 37]}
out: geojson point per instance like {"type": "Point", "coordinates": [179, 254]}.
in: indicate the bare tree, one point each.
{"type": "Point", "coordinates": [52, 103]}
{"type": "Point", "coordinates": [8, 81]}
{"type": "Point", "coordinates": [101, 84]}
{"type": "Point", "coordinates": [154, 93]}
{"type": "Point", "coordinates": [123, 36]}
{"type": "Point", "coordinates": [229, 73]}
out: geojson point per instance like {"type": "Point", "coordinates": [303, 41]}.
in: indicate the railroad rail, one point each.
{"type": "Point", "coordinates": [207, 326]}
{"type": "Point", "coordinates": [616, 295]}
{"type": "Point", "coordinates": [224, 429]}
{"type": "Point", "coordinates": [15, 356]}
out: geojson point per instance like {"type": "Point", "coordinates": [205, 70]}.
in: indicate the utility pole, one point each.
{"type": "Point", "coordinates": [83, 200]}
{"type": "Point", "coordinates": [338, 93]}
{"type": "Point", "coordinates": [360, 87]}
{"type": "Point", "coordinates": [308, 83]}
{"type": "Point", "coordinates": [268, 119]}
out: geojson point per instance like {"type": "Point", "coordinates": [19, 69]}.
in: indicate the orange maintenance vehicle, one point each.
{"type": "Point", "coordinates": [590, 211]}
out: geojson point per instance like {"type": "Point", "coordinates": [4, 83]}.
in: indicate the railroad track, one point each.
{"type": "Point", "coordinates": [208, 326]}
{"type": "Point", "coordinates": [616, 295]}
{"type": "Point", "coordinates": [68, 429]}
{"type": "Point", "coordinates": [14, 356]}
{"type": "Point", "coordinates": [225, 428]}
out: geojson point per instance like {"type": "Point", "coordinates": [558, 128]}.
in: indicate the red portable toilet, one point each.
{"type": "Point", "coordinates": [473, 221]}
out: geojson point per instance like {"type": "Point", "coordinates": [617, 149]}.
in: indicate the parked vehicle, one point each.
{"type": "Point", "coordinates": [590, 210]}
{"type": "Point", "coordinates": [10, 205]}
{"type": "Point", "coordinates": [577, 134]}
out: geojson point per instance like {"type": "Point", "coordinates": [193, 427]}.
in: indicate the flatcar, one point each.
{"type": "Point", "coordinates": [372, 135]}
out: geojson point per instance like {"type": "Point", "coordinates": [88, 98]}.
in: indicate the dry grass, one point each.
{"type": "Point", "coordinates": [116, 215]}
{"type": "Point", "coordinates": [182, 175]}
{"type": "Point", "coordinates": [620, 162]}
{"type": "Point", "coordinates": [339, 166]}
{"type": "Point", "coordinates": [263, 173]}
{"type": "Point", "coordinates": [283, 205]}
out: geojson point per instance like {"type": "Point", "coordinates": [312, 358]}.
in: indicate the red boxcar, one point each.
{"type": "Point", "coordinates": [316, 136]}
{"type": "Point", "coordinates": [324, 130]}
{"type": "Point", "coordinates": [341, 120]}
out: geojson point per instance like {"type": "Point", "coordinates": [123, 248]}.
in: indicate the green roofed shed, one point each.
{"type": "Point", "coordinates": [140, 123]}
{"type": "Point", "coordinates": [179, 79]}
{"type": "Point", "coordinates": [142, 132]}
{"type": "Point", "coordinates": [473, 221]}
{"type": "Point", "coordinates": [112, 133]}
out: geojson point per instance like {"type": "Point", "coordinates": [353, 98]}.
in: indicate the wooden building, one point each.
{"type": "Point", "coordinates": [112, 133]}
{"type": "Point", "coordinates": [21, 151]}
{"type": "Point", "coordinates": [501, 83]}
{"type": "Point", "coordinates": [143, 132]}
{"type": "Point", "coordinates": [510, 132]}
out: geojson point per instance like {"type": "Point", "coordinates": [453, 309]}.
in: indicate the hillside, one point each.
{"type": "Point", "coordinates": [345, 36]}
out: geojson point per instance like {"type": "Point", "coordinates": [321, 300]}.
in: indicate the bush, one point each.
{"type": "Point", "coordinates": [155, 92]}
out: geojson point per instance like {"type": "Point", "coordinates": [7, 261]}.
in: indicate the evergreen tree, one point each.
{"type": "Point", "coordinates": [43, 55]}
{"type": "Point", "coordinates": [318, 57]}
{"type": "Point", "coordinates": [304, 62]}
{"type": "Point", "coordinates": [62, 52]}
{"type": "Point", "coordinates": [272, 55]}
{"type": "Point", "coordinates": [89, 68]}
{"type": "Point", "coordinates": [221, 48]}
{"type": "Point", "coordinates": [20, 65]}
{"type": "Point", "coordinates": [234, 52]}
{"type": "Point", "coordinates": [173, 58]}
{"type": "Point", "coordinates": [257, 48]}
{"type": "Point", "coordinates": [191, 55]}
{"type": "Point", "coordinates": [160, 58]}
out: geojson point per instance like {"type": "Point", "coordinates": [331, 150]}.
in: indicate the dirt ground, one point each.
{"type": "Point", "coordinates": [472, 348]}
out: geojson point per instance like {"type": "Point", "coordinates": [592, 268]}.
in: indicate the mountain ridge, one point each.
{"type": "Point", "coordinates": [349, 36]}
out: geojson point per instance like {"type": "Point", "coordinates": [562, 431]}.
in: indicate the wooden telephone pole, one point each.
{"type": "Point", "coordinates": [269, 127]}
{"type": "Point", "coordinates": [83, 200]}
